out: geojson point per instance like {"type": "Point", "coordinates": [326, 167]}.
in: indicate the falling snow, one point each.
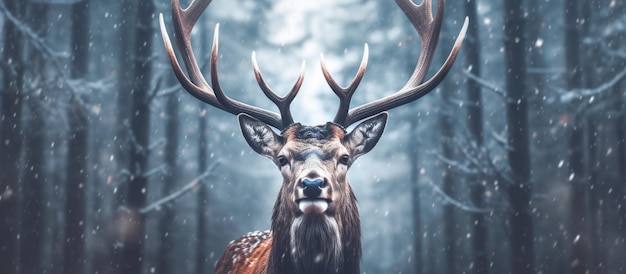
{"type": "Point", "coordinates": [419, 190]}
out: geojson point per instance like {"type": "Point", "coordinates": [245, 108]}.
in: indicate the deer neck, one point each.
{"type": "Point", "coordinates": [304, 244]}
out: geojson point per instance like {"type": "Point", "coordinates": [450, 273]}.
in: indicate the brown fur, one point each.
{"type": "Point", "coordinates": [299, 242]}
{"type": "Point", "coordinates": [246, 255]}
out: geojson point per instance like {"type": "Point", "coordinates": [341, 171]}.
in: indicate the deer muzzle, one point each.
{"type": "Point", "coordinates": [312, 195]}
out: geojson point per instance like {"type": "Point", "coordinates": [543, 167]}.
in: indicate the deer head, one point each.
{"type": "Point", "coordinates": [315, 221]}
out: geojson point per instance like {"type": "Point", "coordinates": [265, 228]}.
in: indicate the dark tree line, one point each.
{"type": "Point", "coordinates": [11, 134]}
{"type": "Point", "coordinates": [514, 165]}
{"type": "Point", "coordinates": [528, 91]}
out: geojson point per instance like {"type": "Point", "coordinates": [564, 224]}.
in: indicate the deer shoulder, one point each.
{"type": "Point", "coordinates": [246, 255]}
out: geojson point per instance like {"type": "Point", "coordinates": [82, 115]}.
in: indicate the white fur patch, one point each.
{"type": "Point", "coordinates": [318, 206]}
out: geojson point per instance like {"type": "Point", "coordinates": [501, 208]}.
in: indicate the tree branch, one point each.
{"type": "Point", "coordinates": [490, 86]}
{"type": "Point", "coordinates": [75, 86]}
{"type": "Point", "coordinates": [179, 193]}
{"type": "Point", "coordinates": [161, 169]}
{"type": "Point", "coordinates": [569, 95]}
{"type": "Point", "coordinates": [455, 202]}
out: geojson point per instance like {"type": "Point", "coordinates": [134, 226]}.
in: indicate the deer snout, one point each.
{"type": "Point", "coordinates": [312, 188]}
{"type": "Point", "coordinates": [312, 195]}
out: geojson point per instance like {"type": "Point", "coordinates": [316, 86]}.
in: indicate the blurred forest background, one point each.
{"type": "Point", "coordinates": [515, 164]}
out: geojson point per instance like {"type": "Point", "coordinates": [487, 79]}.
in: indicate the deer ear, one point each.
{"type": "Point", "coordinates": [260, 136]}
{"type": "Point", "coordinates": [366, 135]}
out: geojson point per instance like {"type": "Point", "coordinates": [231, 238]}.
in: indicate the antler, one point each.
{"type": "Point", "coordinates": [345, 94]}
{"type": "Point", "coordinates": [428, 29]}
{"type": "Point", "coordinates": [196, 85]}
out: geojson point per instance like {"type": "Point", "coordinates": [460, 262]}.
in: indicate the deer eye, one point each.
{"type": "Point", "coordinates": [282, 160]}
{"type": "Point", "coordinates": [344, 160]}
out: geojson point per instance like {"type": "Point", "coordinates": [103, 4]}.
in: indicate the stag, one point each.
{"type": "Point", "coordinates": [315, 224]}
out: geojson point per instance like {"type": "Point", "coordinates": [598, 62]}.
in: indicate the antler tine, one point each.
{"type": "Point", "coordinates": [283, 103]}
{"type": "Point", "coordinates": [428, 29]}
{"type": "Point", "coordinates": [234, 106]}
{"type": "Point", "coordinates": [184, 20]}
{"type": "Point", "coordinates": [345, 94]}
{"type": "Point", "coordinates": [197, 86]}
{"type": "Point", "coordinates": [195, 83]}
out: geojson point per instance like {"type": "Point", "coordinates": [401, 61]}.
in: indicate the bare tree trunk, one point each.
{"type": "Point", "coordinates": [620, 128]}
{"type": "Point", "coordinates": [418, 244]}
{"type": "Point", "coordinates": [621, 189]}
{"type": "Point", "coordinates": [596, 223]}
{"type": "Point", "coordinates": [617, 184]}
{"type": "Point", "coordinates": [519, 191]}
{"type": "Point", "coordinates": [203, 211]}
{"type": "Point", "coordinates": [166, 222]}
{"type": "Point", "coordinates": [203, 195]}
{"type": "Point", "coordinates": [448, 187]}
{"type": "Point", "coordinates": [127, 23]}
{"type": "Point", "coordinates": [32, 233]}
{"type": "Point", "coordinates": [620, 124]}
{"type": "Point", "coordinates": [133, 238]}
{"type": "Point", "coordinates": [123, 113]}
{"type": "Point", "coordinates": [475, 126]}
{"type": "Point", "coordinates": [10, 138]}
{"type": "Point", "coordinates": [594, 73]}
{"type": "Point", "coordinates": [77, 164]}
{"type": "Point", "coordinates": [578, 234]}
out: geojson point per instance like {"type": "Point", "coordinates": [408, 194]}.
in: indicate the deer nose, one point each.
{"type": "Point", "coordinates": [312, 187]}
